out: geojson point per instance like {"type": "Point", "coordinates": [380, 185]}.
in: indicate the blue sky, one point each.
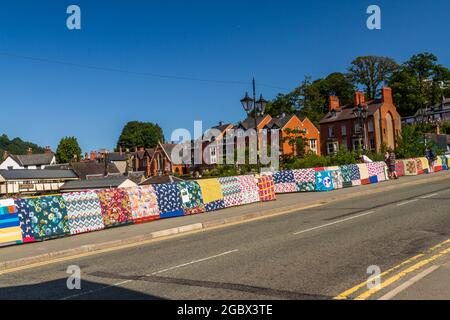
{"type": "Point", "coordinates": [278, 42]}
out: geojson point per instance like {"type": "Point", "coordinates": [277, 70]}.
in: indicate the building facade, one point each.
{"type": "Point", "coordinates": [340, 127]}
{"type": "Point", "coordinates": [28, 161]}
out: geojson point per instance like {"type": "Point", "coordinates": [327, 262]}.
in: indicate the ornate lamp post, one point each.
{"type": "Point", "coordinates": [361, 113]}
{"type": "Point", "coordinates": [254, 108]}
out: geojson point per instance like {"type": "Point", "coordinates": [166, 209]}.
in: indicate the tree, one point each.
{"type": "Point", "coordinates": [296, 139]}
{"type": "Point", "coordinates": [68, 150]}
{"type": "Point", "coordinates": [17, 146]}
{"type": "Point", "coordinates": [371, 72]}
{"type": "Point", "coordinates": [419, 82]}
{"type": "Point", "coordinates": [140, 134]}
{"type": "Point", "coordinates": [410, 143]}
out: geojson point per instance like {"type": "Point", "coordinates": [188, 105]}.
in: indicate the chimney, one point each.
{"type": "Point", "coordinates": [29, 151]}
{"type": "Point", "coordinates": [120, 150]}
{"type": "Point", "coordinates": [141, 149]}
{"type": "Point", "coordinates": [5, 155]}
{"type": "Point", "coordinates": [220, 123]}
{"type": "Point", "coordinates": [387, 95]}
{"type": "Point", "coordinates": [86, 156]}
{"type": "Point", "coordinates": [334, 103]}
{"type": "Point", "coordinates": [359, 98]}
{"type": "Point", "coordinates": [93, 155]}
{"type": "Point", "coordinates": [48, 150]}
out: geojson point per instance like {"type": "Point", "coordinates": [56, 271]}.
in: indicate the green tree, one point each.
{"type": "Point", "coordinates": [17, 146]}
{"type": "Point", "coordinates": [68, 150]}
{"type": "Point", "coordinates": [410, 143]}
{"type": "Point", "coordinates": [371, 72]}
{"type": "Point", "coordinates": [419, 82]}
{"type": "Point", "coordinates": [296, 139]}
{"type": "Point", "coordinates": [140, 134]}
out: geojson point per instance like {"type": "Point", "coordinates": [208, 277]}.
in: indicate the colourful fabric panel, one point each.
{"type": "Point", "coordinates": [356, 183]}
{"type": "Point", "coordinates": [318, 169]}
{"type": "Point", "coordinates": [364, 170]}
{"type": "Point", "coordinates": [410, 167]}
{"type": "Point", "coordinates": [231, 189]}
{"type": "Point", "coordinates": [348, 184]}
{"type": "Point", "coordinates": [346, 172]}
{"type": "Point", "coordinates": [373, 179]}
{"type": "Point", "coordinates": [444, 162]}
{"type": "Point", "coordinates": [84, 212]}
{"type": "Point", "coordinates": [249, 188]}
{"type": "Point", "coordinates": [143, 204]}
{"type": "Point", "coordinates": [400, 168]}
{"type": "Point", "coordinates": [420, 170]}
{"type": "Point", "coordinates": [425, 164]}
{"type": "Point", "coordinates": [211, 190]}
{"type": "Point", "coordinates": [285, 176]}
{"type": "Point", "coordinates": [266, 188]}
{"type": "Point", "coordinates": [191, 197]}
{"type": "Point", "coordinates": [215, 205]}
{"type": "Point", "coordinates": [10, 231]}
{"type": "Point", "coordinates": [306, 186]}
{"type": "Point", "coordinates": [304, 175]}
{"type": "Point", "coordinates": [338, 181]}
{"type": "Point", "coordinates": [26, 225]}
{"type": "Point", "coordinates": [371, 169]}
{"type": "Point", "coordinates": [115, 205]}
{"type": "Point", "coordinates": [365, 181]}
{"type": "Point", "coordinates": [324, 181]}
{"type": "Point", "coordinates": [169, 200]}
{"type": "Point", "coordinates": [354, 172]}
{"type": "Point", "coordinates": [285, 187]}
{"type": "Point", "coordinates": [48, 217]}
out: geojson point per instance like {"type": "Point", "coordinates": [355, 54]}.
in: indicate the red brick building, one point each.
{"type": "Point", "coordinates": [340, 127]}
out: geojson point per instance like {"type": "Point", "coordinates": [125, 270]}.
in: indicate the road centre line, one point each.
{"type": "Point", "coordinates": [406, 202]}
{"type": "Point", "coordinates": [335, 222]}
{"type": "Point", "coordinates": [151, 274]}
{"type": "Point", "coordinates": [429, 196]}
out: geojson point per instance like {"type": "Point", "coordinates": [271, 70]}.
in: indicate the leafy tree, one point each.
{"type": "Point", "coordinates": [68, 150]}
{"type": "Point", "coordinates": [410, 143]}
{"type": "Point", "coordinates": [371, 72]}
{"type": "Point", "coordinates": [419, 82]}
{"type": "Point", "coordinates": [17, 146]}
{"type": "Point", "coordinates": [296, 139]}
{"type": "Point", "coordinates": [140, 134]}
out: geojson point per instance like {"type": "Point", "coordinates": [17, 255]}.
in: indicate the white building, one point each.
{"type": "Point", "coordinates": [28, 161]}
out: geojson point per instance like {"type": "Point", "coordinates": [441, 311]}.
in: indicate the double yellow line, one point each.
{"type": "Point", "coordinates": [421, 263]}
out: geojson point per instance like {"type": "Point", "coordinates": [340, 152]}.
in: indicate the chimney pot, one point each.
{"type": "Point", "coordinates": [29, 151]}
{"type": "Point", "coordinates": [48, 150]}
{"type": "Point", "coordinates": [334, 103]}
{"type": "Point", "coordinates": [387, 95]}
{"type": "Point", "coordinates": [5, 155]}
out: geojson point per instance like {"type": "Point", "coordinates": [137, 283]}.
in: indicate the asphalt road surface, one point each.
{"type": "Point", "coordinates": [312, 254]}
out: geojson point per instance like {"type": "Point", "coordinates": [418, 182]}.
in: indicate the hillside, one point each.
{"type": "Point", "coordinates": [17, 146]}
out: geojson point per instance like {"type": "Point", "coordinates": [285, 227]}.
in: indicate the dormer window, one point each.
{"type": "Point", "coordinates": [333, 113]}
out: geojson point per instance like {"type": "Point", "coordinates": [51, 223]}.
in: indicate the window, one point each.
{"type": "Point", "coordinates": [343, 130]}
{"type": "Point", "coordinates": [331, 132]}
{"type": "Point", "coordinates": [10, 168]}
{"type": "Point", "coordinates": [357, 144]}
{"type": "Point", "coordinates": [357, 128]}
{"type": "Point", "coordinates": [370, 126]}
{"type": "Point", "coordinates": [213, 155]}
{"type": "Point", "coordinates": [372, 144]}
{"type": "Point", "coordinates": [332, 147]}
{"type": "Point", "coordinates": [313, 145]}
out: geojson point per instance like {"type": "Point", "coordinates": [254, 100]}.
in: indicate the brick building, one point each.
{"type": "Point", "coordinates": [340, 127]}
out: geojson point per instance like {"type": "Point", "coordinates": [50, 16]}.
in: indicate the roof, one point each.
{"type": "Point", "coordinates": [104, 183]}
{"type": "Point", "coordinates": [280, 121]}
{"type": "Point", "coordinates": [117, 156]}
{"type": "Point", "coordinates": [33, 159]}
{"type": "Point", "coordinates": [222, 127]}
{"type": "Point", "coordinates": [87, 168]}
{"type": "Point", "coordinates": [249, 122]}
{"type": "Point", "coordinates": [28, 174]}
{"type": "Point", "coordinates": [346, 112]}
{"type": "Point", "coordinates": [160, 179]}
{"type": "Point", "coordinates": [168, 147]}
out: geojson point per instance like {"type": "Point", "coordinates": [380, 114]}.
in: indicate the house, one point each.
{"type": "Point", "coordinates": [89, 169]}
{"type": "Point", "coordinates": [98, 184]}
{"type": "Point", "coordinates": [284, 122]}
{"type": "Point", "coordinates": [340, 127]}
{"type": "Point", "coordinates": [438, 112]}
{"type": "Point", "coordinates": [33, 181]}
{"type": "Point", "coordinates": [28, 161]}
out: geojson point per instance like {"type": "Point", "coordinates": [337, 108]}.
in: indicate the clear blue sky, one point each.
{"type": "Point", "coordinates": [278, 42]}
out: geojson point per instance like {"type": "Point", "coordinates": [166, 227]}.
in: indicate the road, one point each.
{"type": "Point", "coordinates": [318, 253]}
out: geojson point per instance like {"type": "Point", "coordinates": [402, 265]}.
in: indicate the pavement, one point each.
{"type": "Point", "coordinates": [302, 246]}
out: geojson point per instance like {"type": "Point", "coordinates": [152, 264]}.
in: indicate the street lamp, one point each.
{"type": "Point", "coordinates": [254, 108]}
{"type": "Point", "coordinates": [361, 113]}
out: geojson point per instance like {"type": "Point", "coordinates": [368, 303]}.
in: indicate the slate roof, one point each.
{"type": "Point", "coordinates": [346, 112]}
{"type": "Point", "coordinates": [86, 168]}
{"type": "Point", "coordinates": [249, 122]}
{"type": "Point", "coordinates": [27, 174]}
{"type": "Point", "coordinates": [117, 156]}
{"type": "Point", "coordinates": [160, 179]}
{"type": "Point", "coordinates": [279, 121]}
{"type": "Point", "coordinates": [104, 183]}
{"type": "Point", "coordinates": [33, 159]}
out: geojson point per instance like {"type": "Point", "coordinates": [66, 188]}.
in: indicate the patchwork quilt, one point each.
{"type": "Point", "coordinates": [354, 172]}
{"type": "Point", "coordinates": [10, 231]}
{"type": "Point", "coordinates": [285, 176]}
{"type": "Point", "coordinates": [306, 186]}
{"type": "Point", "coordinates": [232, 192]}
{"type": "Point", "coordinates": [365, 181]}
{"type": "Point", "coordinates": [84, 212]}
{"type": "Point", "coordinates": [444, 162]}
{"type": "Point", "coordinates": [48, 217]}
{"type": "Point", "coordinates": [346, 172]}
{"type": "Point", "coordinates": [285, 187]}
{"type": "Point", "coordinates": [211, 190]}
{"type": "Point", "coordinates": [356, 183]}
{"type": "Point", "coordinates": [249, 187]}
{"type": "Point", "coordinates": [400, 168]}
{"type": "Point", "coordinates": [169, 200]}
{"type": "Point", "coordinates": [191, 197]}
{"type": "Point", "coordinates": [410, 167]}
{"type": "Point", "coordinates": [324, 181]}
{"type": "Point", "coordinates": [266, 188]}
{"type": "Point", "coordinates": [420, 169]}
{"type": "Point", "coordinates": [425, 164]}
{"type": "Point", "coordinates": [215, 205]}
{"type": "Point", "coordinates": [337, 179]}
{"type": "Point", "coordinates": [115, 205]}
{"type": "Point", "coordinates": [304, 175]}
{"type": "Point", "coordinates": [364, 171]}
{"type": "Point", "coordinates": [26, 226]}
{"type": "Point", "coordinates": [143, 204]}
